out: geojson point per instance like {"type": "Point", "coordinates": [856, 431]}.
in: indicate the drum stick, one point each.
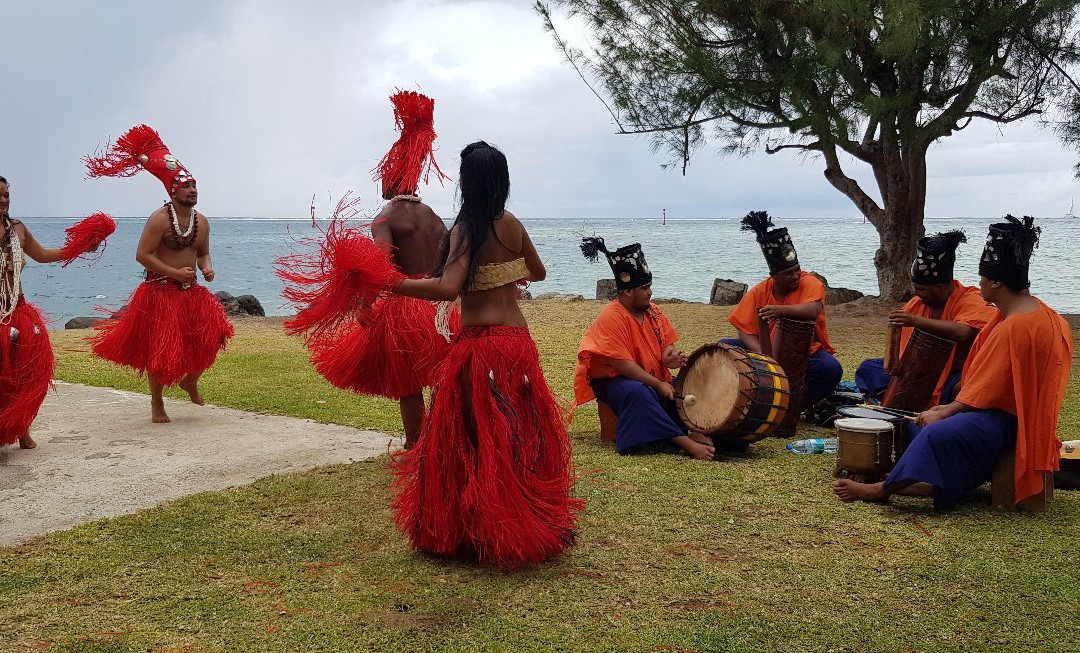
{"type": "Point", "coordinates": [764, 335]}
{"type": "Point", "coordinates": [892, 351]}
{"type": "Point", "coordinates": [895, 412]}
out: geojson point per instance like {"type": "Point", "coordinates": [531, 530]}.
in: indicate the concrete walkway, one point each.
{"type": "Point", "coordinates": [99, 456]}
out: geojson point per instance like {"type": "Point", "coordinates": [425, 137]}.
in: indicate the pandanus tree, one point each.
{"type": "Point", "coordinates": [853, 82]}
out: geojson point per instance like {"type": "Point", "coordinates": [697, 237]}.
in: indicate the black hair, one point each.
{"type": "Point", "coordinates": [484, 181]}
{"type": "Point", "coordinates": [5, 182]}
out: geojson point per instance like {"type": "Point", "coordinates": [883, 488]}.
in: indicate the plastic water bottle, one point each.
{"type": "Point", "coordinates": [813, 445]}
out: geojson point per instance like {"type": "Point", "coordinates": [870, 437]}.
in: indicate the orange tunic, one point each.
{"type": "Point", "coordinates": [965, 306]}
{"type": "Point", "coordinates": [1020, 365]}
{"type": "Point", "coordinates": [617, 335]}
{"type": "Point", "coordinates": [744, 317]}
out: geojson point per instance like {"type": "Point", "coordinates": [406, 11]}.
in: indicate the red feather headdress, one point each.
{"type": "Point", "coordinates": [411, 156]}
{"type": "Point", "coordinates": [141, 147]}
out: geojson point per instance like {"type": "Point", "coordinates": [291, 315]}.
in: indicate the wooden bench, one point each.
{"type": "Point", "coordinates": [1003, 487]}
{"type": "Point", "coordinates": [607, 421]}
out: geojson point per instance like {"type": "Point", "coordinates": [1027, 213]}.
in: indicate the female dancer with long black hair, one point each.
{"type": "Point", "coordinates": [490, 477]}
{"type": "Point", "coordinates": [26, 356]}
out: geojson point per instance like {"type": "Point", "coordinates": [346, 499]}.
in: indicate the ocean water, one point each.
{"type": "Point", "coordinates": [685, 256]}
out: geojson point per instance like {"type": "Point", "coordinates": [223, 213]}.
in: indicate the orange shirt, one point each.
{"type": "Point", "coordinates": [617, 335]}
{"type": "Point", "coordinates": [965, 306]}
{"type": "Point", "coordinates": [1020, 364]}
{"type": "Point", "coordinates": [744, 317]}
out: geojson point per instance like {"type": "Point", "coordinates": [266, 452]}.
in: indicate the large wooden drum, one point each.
{"type": "Point", "coordinates": [735, 393]}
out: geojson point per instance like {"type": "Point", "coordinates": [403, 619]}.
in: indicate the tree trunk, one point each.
{"type": "Point", "coordinates": [899, 229]}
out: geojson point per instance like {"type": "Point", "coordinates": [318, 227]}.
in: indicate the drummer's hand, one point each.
{"type": "Point", "coordinates": [928, 417]}
{"type": "Point", "coordinates": [672, 357]}
{"type": "Point", "coordinates": [902, 318]}
{"type": "Point", "coordinates": [771, 312]}
{"type": "Point", "coordinates": [666, 391]}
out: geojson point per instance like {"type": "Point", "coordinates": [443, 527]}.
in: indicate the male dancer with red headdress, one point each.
{"type": "Point", "coordinates": [172, 327]}
{"type": "Point", "coordinates": [393, 353]}
{"type": "Point", "coordinates": [1011, 390]}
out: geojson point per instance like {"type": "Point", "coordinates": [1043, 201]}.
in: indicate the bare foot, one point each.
{"type": "Point", "coordinates": [191, 386]}
{"type": "Point", "coordinates": [694, 449]}
{"type": "Point", "coordinates": [848, 490]}
{"type": "Point", "coordinates": [27, 442]}
{"type": "Point", "coordinates": [157, 412]}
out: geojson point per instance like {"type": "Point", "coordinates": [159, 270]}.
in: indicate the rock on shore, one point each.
{"type": "Point", "coordinates": [242, 305]}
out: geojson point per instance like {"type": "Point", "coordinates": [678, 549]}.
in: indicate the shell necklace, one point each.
{"type": "Point", "coordinates": [9, 292]}
{"type": "Point", "coordinates": [182, 235]}
{"type": "Point", "coordinates": [405, 198]}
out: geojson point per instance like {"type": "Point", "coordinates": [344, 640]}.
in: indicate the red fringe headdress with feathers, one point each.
{"type": "Point", "coordinates": [411, 156]}
{"type": "Point", "coordinates": [140, 148]}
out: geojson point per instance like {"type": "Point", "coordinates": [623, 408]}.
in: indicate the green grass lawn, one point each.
{"type": "Point", "coordinates": [748, 554]}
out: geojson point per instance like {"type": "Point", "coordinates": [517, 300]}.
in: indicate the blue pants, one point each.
{"type": "Point", "coordinates": [872, 380]}
{"type": "Point", "coordinates": [644, 420]}
{"type": "Point", "coordinates": [957, 454]}
{"type": "Point", "coordinates": [823, 372]}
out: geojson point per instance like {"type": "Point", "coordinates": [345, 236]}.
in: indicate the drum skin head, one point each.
{"type": "Point", "coordinates": [867, 413]}
{"type": "Point", "coordinates": [737, 394]}
{"type": "Point", "coordinates": [862, 425]}
{"type": "Point", "coordinates": [714, 380]}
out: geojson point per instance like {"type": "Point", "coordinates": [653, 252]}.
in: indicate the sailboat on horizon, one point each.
{"type": "Point", "coordinates": [1070, 214]}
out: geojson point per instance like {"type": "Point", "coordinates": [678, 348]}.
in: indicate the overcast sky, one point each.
{"type": "Point", "coordinates": [268, 102]}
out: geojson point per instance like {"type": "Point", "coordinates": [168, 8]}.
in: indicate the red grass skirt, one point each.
{"type": "Point", "coordinates": [393, 353]}
{"type": "Point", "coordinates": [490, 477]}
{"type": "Point", "coordinates": [26, 369]}
{"type": "Point", "coordinates": [165, 331]}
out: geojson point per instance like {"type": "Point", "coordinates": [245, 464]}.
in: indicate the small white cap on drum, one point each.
{"type": "Point", "coordinates": [689, 400]}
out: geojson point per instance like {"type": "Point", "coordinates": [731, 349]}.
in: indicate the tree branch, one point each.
{"type": "Point", "coordinates": [1001, 118]}
{"type": "Point", "coordinates": [816, 145]}
{"type": "Point", "coordinates": [849, 187]}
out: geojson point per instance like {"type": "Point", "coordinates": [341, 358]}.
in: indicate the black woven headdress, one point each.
{"type": "Point", "coordinates": [775, 244]}
{"type": "Point", "coordinates": [627, 263]}
{"type": "Point", "coordinates": [935, 258]}
{"type": "Point", "coordinates": [1008, 250]}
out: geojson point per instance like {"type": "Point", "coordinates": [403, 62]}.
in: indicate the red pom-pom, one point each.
{"type": "Point", "coordinates": [339, 279]}
{"type": "Point", "coordinates": [121, 159]}
{"type": "Point", "coordinates": [86, 236]}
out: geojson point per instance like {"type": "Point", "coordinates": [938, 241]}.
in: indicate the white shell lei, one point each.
{"type": "Point", "coordinates": [9, 292]}
{"type": "Point", "coordinates": [176, 222]}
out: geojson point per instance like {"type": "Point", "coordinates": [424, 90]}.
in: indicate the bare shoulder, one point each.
{"type": "Point", "coordinates": [20, 228]}
{"type": "Point", "coordinates": [158, 221]}
{"type": "Point", "coordinates": [511, 219]}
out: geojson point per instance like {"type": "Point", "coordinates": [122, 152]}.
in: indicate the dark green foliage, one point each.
{"type": "Point", "coordinates": [880, 81]}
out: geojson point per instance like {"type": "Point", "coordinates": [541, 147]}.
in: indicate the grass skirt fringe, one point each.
{"type": "Point", "coordinates": [393, 353]}
{"type": "Point", "coordinates": [26, 368]}
{"type": "Point", "coordinates": [490, 477]}
{"type": "Point", "coordinates": [165, 331]}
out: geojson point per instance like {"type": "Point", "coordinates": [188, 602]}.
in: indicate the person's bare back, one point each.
{"type": "Point", "coordinates": [415, 232]}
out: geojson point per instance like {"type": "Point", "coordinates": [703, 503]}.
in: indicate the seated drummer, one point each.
{"type": "Point", "coordinates": [626, 357]}
{"type": "Point", "coordinates": [942, 306]}
{"type": "Point", "coordinates": [1012, 389]}
{"type": "Point", "coordinates": [789, 292]}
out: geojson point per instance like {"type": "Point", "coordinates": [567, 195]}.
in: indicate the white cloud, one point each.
{"type": "Point", "coordinates": [269, 101]}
